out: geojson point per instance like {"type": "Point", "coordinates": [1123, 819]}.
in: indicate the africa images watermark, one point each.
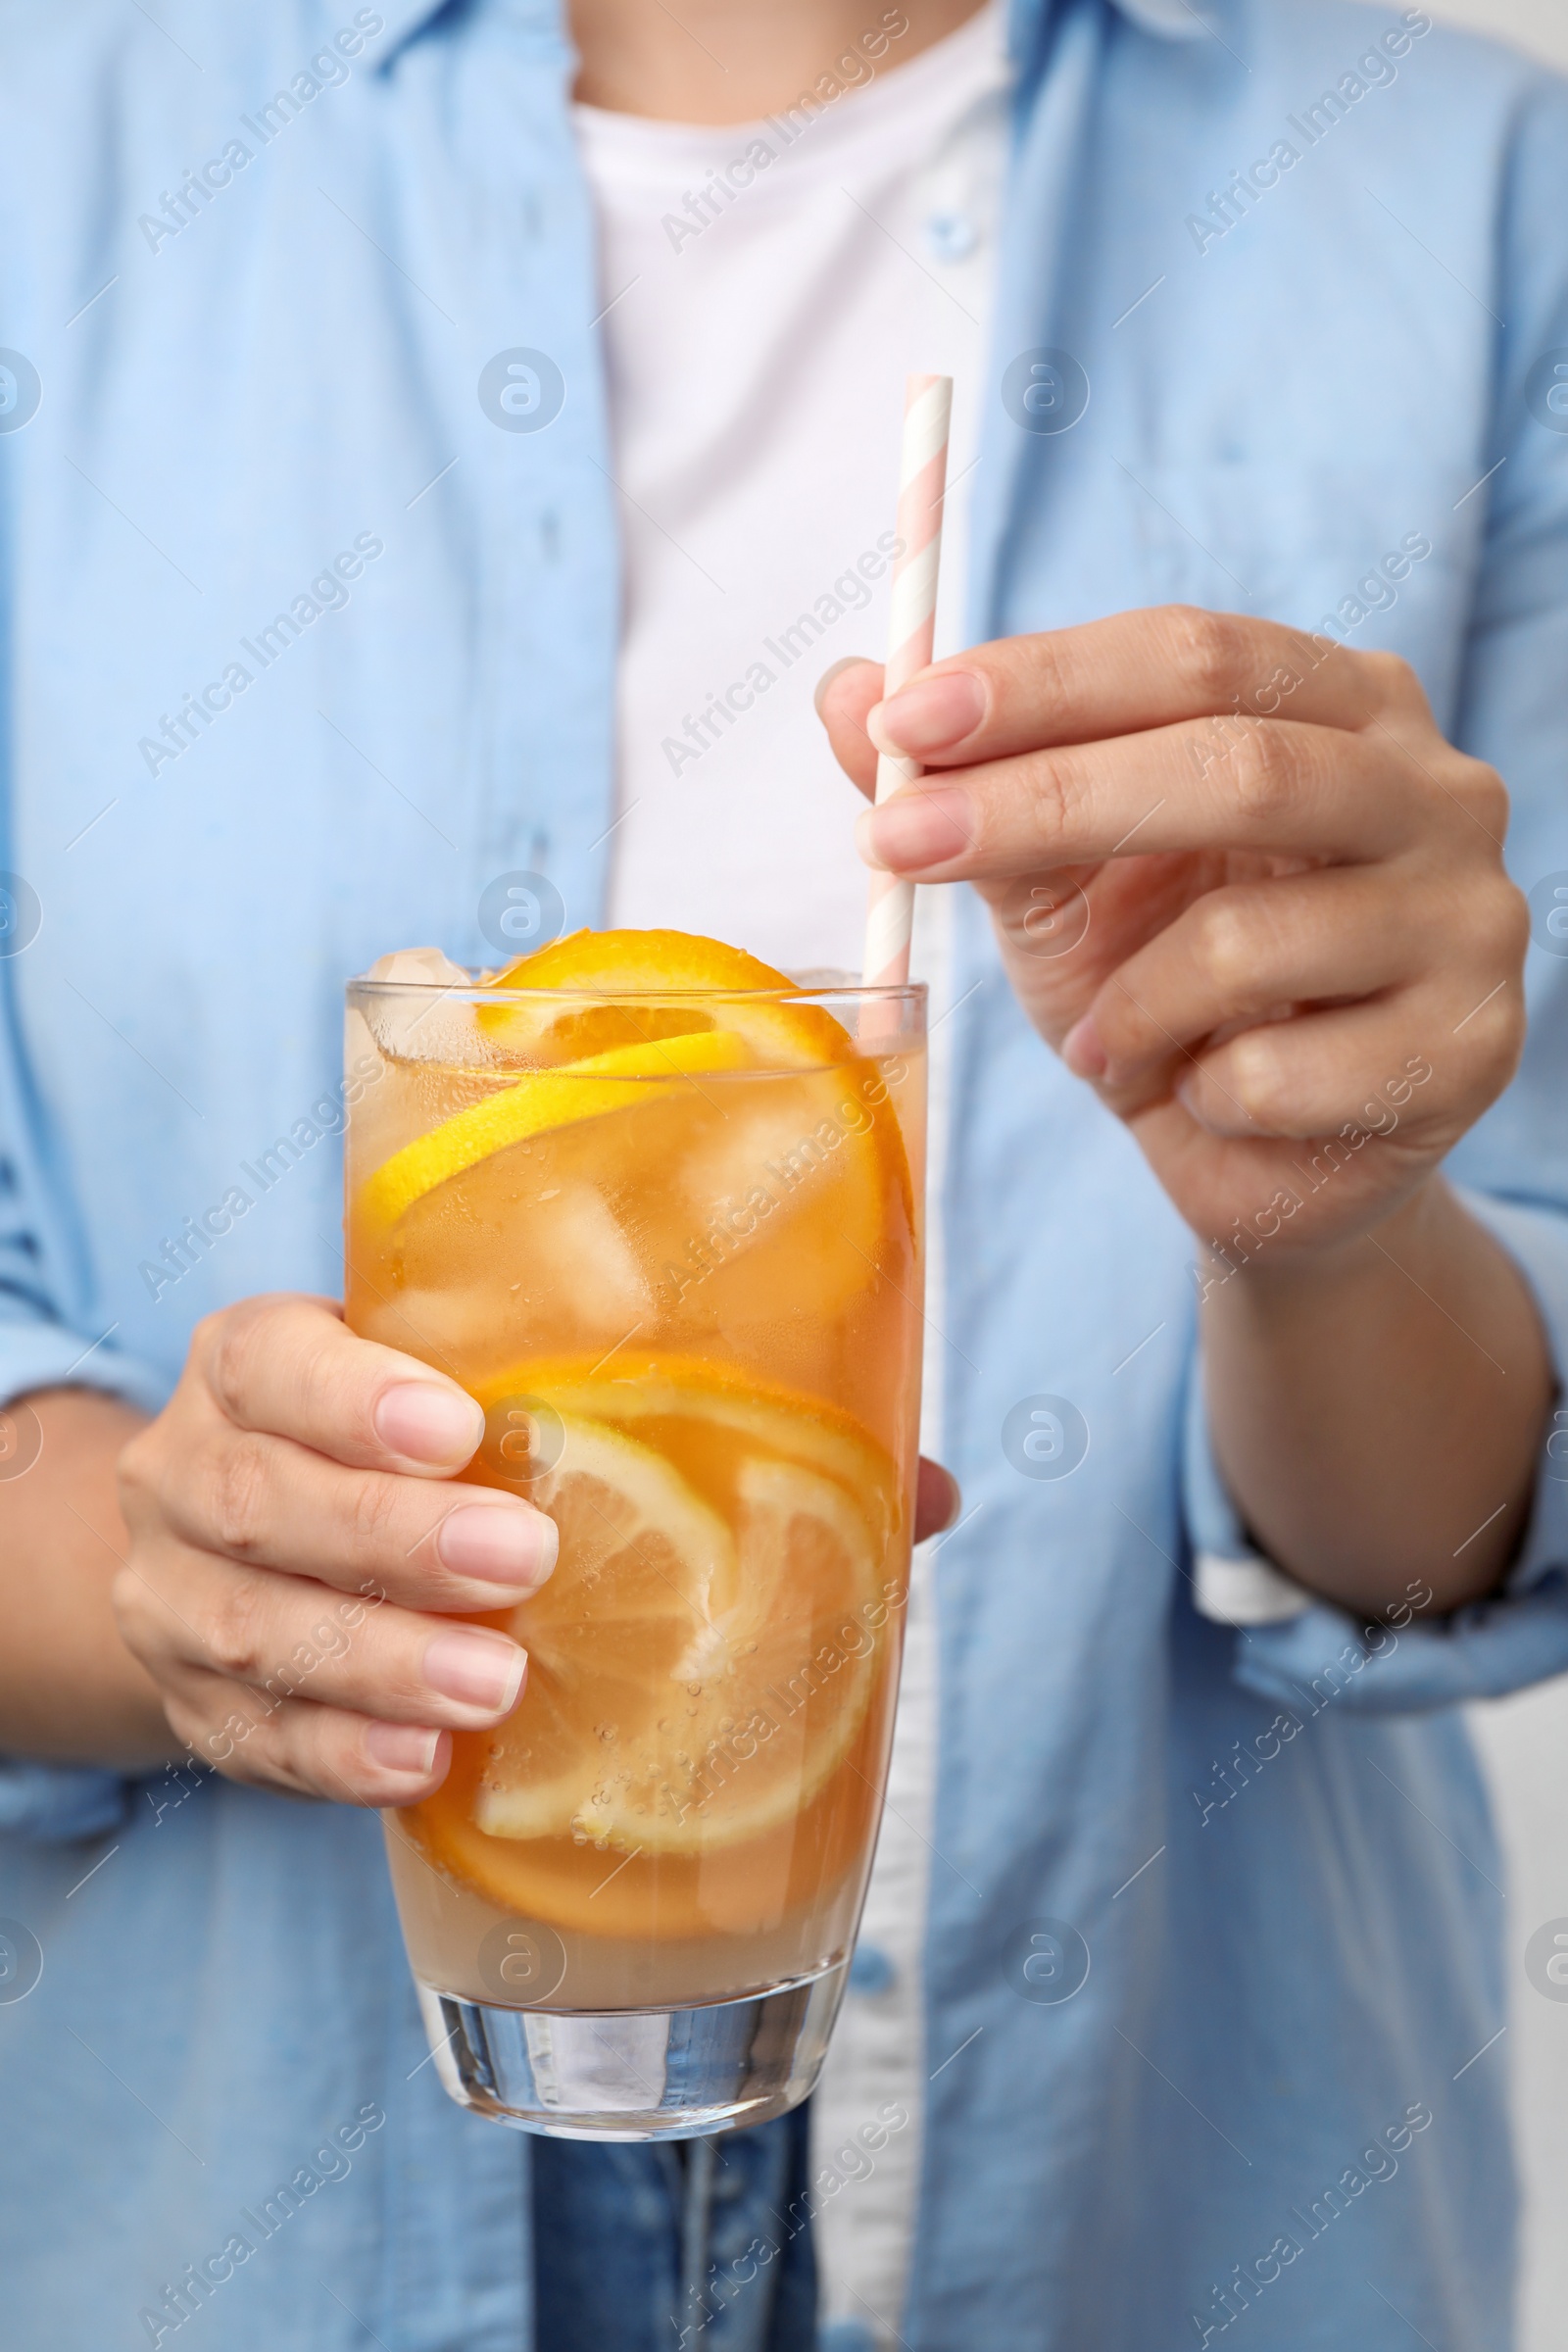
{"type": "Point", "coordinates": [736, 1220]}
{"type": "Point", "coordinates": [1378, 2160]}
{"type": "Point", "coordinates": [185, 1779]}
{"type": "Point", "coordinates": [198, 2282]}
{"type": "Point", "coordinates": [327, 592]}
{"type": "Point", "coordinates": [851, 70]}
{"type": "Point", "coordinates": [328, 69]}
{"type": "Point", "coordinates": [1376, 591]}
{"type": "Point", "coordinates": [849, 593]}
{"type": "Point", "coordinates": [855, 1637]}
{"type": "Point", "coordinates": [1380, 1638]}
{"type": "Point", "coordinates": [1375, 70]}
{"type": "Point", "coordinates": [856, 2157]}
{"type": "Point", "coordinates": [1248, 1237]}
{"type": "Point", "coordinates": [327, 1115]}
{"type": "Point", "coordinates": [331, 1638]}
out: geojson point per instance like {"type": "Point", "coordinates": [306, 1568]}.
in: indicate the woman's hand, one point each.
{"type": "Point", "coordinates": [297, 1555]}
{"type": "Point", "coordinates": [1239, 882]}
{"type": "Point", "coordinates": [1248, 891]}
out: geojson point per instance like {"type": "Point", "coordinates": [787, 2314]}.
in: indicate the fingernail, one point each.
{"type": "Point", "coordinates": [401, 1747]}
{"type": "Point", "coordinates": [1082, 1051]}
{"type": "Point", "coordinates": [850, 661]}
{"type": "Point", "coordinates": [915, 829]}
{"type": "Point", "coordinates": [512, 1547]}
{"type": "Point", "coordinates": [475, 1668]}
{"type": "Point", "coordinates": [427, 1422]}
{"type": "Point", "coordinates": [929, 717]}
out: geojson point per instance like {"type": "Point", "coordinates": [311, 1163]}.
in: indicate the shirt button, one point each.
{"type": "Point", "coordinates": [871, 1971]}
{"type": "Point", "coordinates": [951, 237]}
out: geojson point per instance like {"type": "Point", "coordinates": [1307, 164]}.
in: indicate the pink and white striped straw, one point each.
{"type": "Point", "coordinates": [911, 626]}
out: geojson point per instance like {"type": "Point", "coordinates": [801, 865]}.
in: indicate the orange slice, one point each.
{"type": "Point", "coordinates": [622, 976]}
{"type": "Point", "coordinates": [703, 1657]}
{"type": "Point", "coordinates": [619, 963]}
{"type": "Point", "coordinates": [706, 1403]}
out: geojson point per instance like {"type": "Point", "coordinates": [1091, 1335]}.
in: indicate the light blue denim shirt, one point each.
{"type": "Point", "coordinates": [243, 338]}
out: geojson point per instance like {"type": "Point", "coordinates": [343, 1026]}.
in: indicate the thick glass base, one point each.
{"type": "Point", "coordinates": [636, 2074]}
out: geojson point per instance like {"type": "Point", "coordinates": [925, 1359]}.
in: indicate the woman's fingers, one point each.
{"type": "Point", "coordinates": [846, 694]}
{"type": "Point", "coordinates": [302, 1748]}
{"type": "Point", "coordinates": [1290, 790]}
{"type": "Point", "coordinates": [293, 1524]}
{"type": "Point", "coordinates": [290, 1367]}
{"type": "Point", "coordinates": [1239, 954]}
{"type": "Point", "coordinates": [269, 1502]}
{"type": "Point", "coordinates": [1372, 966]}
{"type": "Point", "coordinates": [1130, 674]}
{"type": "Point", "coordinates": [286, 1637]}
{"type": "Point", "coordinates": [1393, 1064]}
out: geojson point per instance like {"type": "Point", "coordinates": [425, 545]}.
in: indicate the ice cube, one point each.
{"type": "Point", "coordinates": [498, 1277]}
{"type": "Point", "coordinates": [426, 964]}
{"type": "Point", "coordinates": [423, 1028]}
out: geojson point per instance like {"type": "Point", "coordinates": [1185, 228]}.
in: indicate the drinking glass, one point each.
{"type": "Point", "coordinates": [673, 1245]}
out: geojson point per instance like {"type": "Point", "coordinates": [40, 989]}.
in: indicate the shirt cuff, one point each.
{"type": "Point", "coordinates": [1300, 1651]}
{"type": "Point", "coordinates": [51, 1356]}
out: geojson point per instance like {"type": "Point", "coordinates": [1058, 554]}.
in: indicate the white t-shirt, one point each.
{"type": "Point", "coordinates": [767, 288]}
{"type": "Point", "coordinates": [755, 360]}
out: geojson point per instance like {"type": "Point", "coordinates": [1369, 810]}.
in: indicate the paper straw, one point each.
{"type": "Point", "coordinates": [911, 626]}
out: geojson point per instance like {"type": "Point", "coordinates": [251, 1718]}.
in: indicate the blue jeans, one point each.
{"type": "Point", "coordinates": [688, 2247]}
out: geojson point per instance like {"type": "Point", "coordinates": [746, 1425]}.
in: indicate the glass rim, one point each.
{"type": "Point", "coordinates": [796, 993]}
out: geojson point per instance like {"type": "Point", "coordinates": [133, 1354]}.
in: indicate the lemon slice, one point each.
{"type": "Point", "coordinates": [539, 1100]}
{"type": "Point", "coordinates": [694, 1679]}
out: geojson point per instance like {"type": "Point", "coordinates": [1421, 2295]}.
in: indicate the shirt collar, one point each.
{"type": "Point", "coordinates": [1168, 20]}
{"type": "Point", "coordinates": [402, 20]}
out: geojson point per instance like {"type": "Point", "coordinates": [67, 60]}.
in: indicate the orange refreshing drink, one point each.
{"type": "Point", "coordinates": [658, 1209]}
